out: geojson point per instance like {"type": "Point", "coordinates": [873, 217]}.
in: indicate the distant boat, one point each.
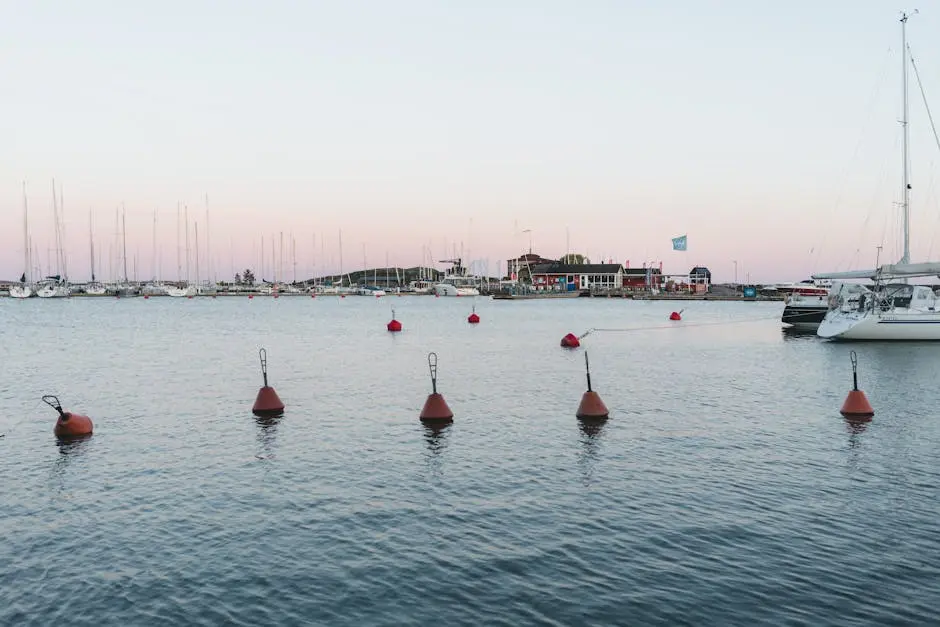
{"type": "Point", "coordinates": [806, 304]}
{"type": "Point", "coordinates": [53, 287]}
{"type": "Point", "coordinates": [24, 289]}
{"type": "Point", "coordinates": [457, 281]}
{"type": "Point", "coordinates": [370, 290]}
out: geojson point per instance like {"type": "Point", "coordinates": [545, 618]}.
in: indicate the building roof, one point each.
{"type": "Point", "coordinates": [579, 268]}
{"type": "Point", "coordinates": [700, 270]}
{"type": "Point", "coordinates": [641, 271]}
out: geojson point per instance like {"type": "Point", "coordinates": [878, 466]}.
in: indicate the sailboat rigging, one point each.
{"type": "Point", "coordinates": [893, 309]}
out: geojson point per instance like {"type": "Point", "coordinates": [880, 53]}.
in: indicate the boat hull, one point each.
{"type": "Point", "coordinates": [803, 317]}
{"type": "Point", "coordinates": [446, 289]}
{"type": "Point", "coordinates": [21, 291]}
{"type": "Point", "coordinates": [894, 327]}
{"type": "Point", "coordinates": [54, 291]}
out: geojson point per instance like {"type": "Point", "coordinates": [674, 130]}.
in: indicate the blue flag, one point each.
{"type": "Point", "coordinates": [680, 243]}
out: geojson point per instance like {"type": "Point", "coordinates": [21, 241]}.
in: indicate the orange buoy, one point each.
{"type": "Point", "coordinates": [69, 424]}
{"type": "Point", "coordinates": [570, 341]}
{"type": "Point", "coordinates": [676, 315]}
{"type": "Point", "coordinates": [473, 318]}
{"type": "Point", "coordinates": [394, 326]}
{"type": "Point", "coordinates": [435, 407]}
{"type": "Point", "coordinates": [856, 405]}
{"type": "Point", "coordinates": [267, 403]}
{"type": "Point", "coordinates": [591, 406]}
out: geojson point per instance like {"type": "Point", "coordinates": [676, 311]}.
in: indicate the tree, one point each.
{"type": "Point", "coordinates": [248, 277]}
{"type": "Point", "coordinates": [575, 259]}
{"type": "Point", "coordinates": [238, 279]}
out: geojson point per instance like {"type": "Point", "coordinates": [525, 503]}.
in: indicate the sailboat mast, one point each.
{"type": "Point", "coordinates": [91, 242]}
{"type": "Point", "coordinates": [124, 238]}
{"type": "Point", "coordinates": [186, 224]}
{"type": "Point", "coordinates": [65, 261]}
{"type": "Point", "coordinates": [196, 228]}
{"type": "Point", "coordinates": [209, 277]}
{"type": "Point", "coordinates": [55, 219]}
{"type": "Point", "coordinates": [179, 260]}
{"type": "Point", "coordinates": [906, 156]}
{"type": "Point", "coordinates": [27, 262]}
{"type": "Point", "coordinates": [153, 251]}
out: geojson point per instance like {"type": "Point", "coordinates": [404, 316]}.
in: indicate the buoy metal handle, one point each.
{"type": "Point", "coordinates": [587, 368]}
{"type": "Point", "coordinates": [432, 366]}
{"type": "Point", "coordinates": [854, 359]}
{"type": "Point", "coordinates": [53, 402]}
{"type": "Point", "coordinates": [263, 354]}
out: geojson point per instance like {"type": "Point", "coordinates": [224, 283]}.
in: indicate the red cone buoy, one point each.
{"type": "Point", "coordinates": [856, 405]}
{"type": "Point", "coordinates": [250, 296]}
{"type": "Point", "coordinates": [146, 296]}
{"type": "Point", "coordinates": [473, 318]}
{"type": "Point", "coordinates": [570, 341]}
{"type": "Point", "coordinates": [435, 407]}
{"type": "Point", "coordinates": [267, 403]}
{"type": "Point", "coordinates": [676, 315]}
{"type": "Point", "coordinates": [69, 424]}
{"type": "Point", "coordinates": [591, 407]}
{"type": "Point", "coordinates": [394, 326]}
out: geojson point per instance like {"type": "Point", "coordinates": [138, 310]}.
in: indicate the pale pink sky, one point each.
{"type": "Point", "coordinates": [768, 135]}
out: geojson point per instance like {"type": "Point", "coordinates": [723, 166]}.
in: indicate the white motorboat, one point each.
{"type": "Point", "coordinates": [805, 304]}
{"type": "Point", "coordinates": [457, 281]}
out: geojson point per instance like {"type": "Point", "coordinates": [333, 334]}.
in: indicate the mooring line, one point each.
{"type": "Point", "coordinates": [675, 326]}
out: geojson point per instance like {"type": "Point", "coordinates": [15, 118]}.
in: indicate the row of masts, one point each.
{"type": "Point", "coordinates": [122, 268]}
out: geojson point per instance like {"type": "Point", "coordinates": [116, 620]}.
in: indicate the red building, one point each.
{"type": "Point", "coordinates": [564, 277]}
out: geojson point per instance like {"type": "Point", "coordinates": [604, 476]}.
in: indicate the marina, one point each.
{"type": "Point", "coordinates": [500, 316]}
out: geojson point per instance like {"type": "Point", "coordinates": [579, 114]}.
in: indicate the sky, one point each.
{"type": "Point", "coordinates": [766, 132]}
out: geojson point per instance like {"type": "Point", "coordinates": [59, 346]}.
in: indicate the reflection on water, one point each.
{"type": "Point", "coordinates": [592, 431]}
{"type": "Point", "coordinates": [436, 438]}
{"type": "Point", "coordinates": [267, 435]}
{"type": "Point", "coordinates": [70, 449]}
{"type": "Point", "coordinates": [790, 334]}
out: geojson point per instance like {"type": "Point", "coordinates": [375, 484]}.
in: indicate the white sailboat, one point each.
{"type": "Point", "coordinates": [56, 286]}
{"type": "Point", "coordinates": [892, 310]}
{"type": "Point", "coordinates": [24, 289]}
{"type": "Point", "coordinates": [95, 288]}
{"type": "Point", "coordinates": [181, 290]}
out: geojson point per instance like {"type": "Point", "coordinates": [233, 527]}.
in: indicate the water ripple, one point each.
{"type": "Point", "coordinates": [725, 489]}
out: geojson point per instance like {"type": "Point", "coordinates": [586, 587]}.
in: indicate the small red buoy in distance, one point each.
{"type": "Point", "coordinates": [591, 407]}
{"type": "Point", "coordinates": [394, 325]}
{"type": "Point", "coordinates": [69, 424]}
{"type": "Point", "coordinates": [570, 341]}
{"type": "Point", "coordinates": [267, 403]}
{"type": "Point", "coordinates": [856, 405]}
{"type": "Point", "coordinates": [435, 407]}
{"type": "Point", "coordinates": [473, 318]}
{"type": "Point", "coordinates": [676, 315]}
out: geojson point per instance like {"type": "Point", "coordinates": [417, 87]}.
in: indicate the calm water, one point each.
{"type": "Point", "coordinates": [724, 490]}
